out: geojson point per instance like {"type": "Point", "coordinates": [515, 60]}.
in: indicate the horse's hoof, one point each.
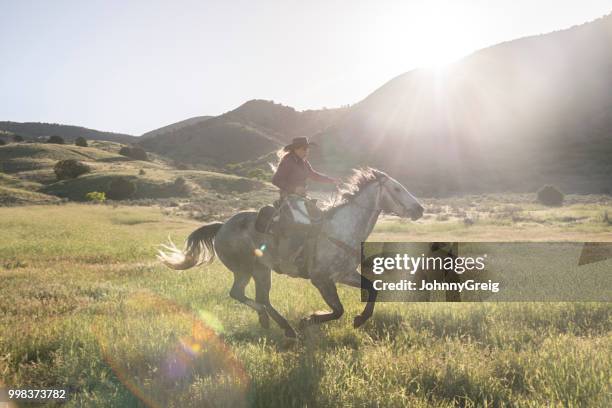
{"type": "Point", "coordinates": [359, 321]}
{"type": "Point", "coordinates": [264, 321]}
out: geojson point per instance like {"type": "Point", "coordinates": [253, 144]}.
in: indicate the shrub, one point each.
{"type": "Point", "coordinates": [80, 141]}
{"type": "Point", "coordinates": [55, 139]}
{"type": "Point", "coordinates": [2, 142]}
{"type": "Point", "coordinates": [96, 196]}
{"type": "Point", "coordinates": [180, 186]}
{"type": "Point", "coordinates": [134, 152]}
{"type": "Point", "coordinates": [121, 188]}
{"type": "Point", "coordinates": [69, 169]}
{"type": "Point", "coordinates": [18, 138]}
{"type": "Point", "coordinates": [142, 172]}
{"type": "Point", "coordinates": [550, 196]}
{"type": "Point", "coordinates": [181, 166]}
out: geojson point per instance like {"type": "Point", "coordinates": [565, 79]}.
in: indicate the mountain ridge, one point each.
{"type": "Point", "coordinates": [511, 116]}
{"type": "Point", "coordinates": [35, 130]}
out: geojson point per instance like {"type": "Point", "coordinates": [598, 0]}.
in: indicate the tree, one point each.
{"type": "Point", "coordinates": [80, 141]}
{"type": "Point", "coordinates": [69, 169]}
{"type": "Point", "coordinates": [95, 196]}
{"type": "Point", "coordinates": [178, 187]}
{"type": "Point", "coordinates": [121, 188]}
{"type": "Point", "coordinates": [56, 139]}
{"type": "Point", "coordinates": [550, 196]}
{"type": "Point", "coordinates": [18, 138]}
{"type": "Point", "coordinates": [134, 152]}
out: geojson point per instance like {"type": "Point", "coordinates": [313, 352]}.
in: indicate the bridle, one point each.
{"type": "Point", "coordinates": [377, 206]}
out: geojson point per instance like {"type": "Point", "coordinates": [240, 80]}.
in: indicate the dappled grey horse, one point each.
{"type": "Point", "coordinates": [250, 254]}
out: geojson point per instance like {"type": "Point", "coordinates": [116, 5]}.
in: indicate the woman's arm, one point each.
{"type": "Point", "coordinates": [320, 177]}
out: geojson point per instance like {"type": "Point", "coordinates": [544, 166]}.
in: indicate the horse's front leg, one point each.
{"type": "Point", "coordinates": [263, 284]}
{"type": "Point", "coordinates": [357, 280]}
{"type": "Point", "coordinates": [328, 290]}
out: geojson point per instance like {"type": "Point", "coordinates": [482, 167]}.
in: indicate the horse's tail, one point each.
{"type": "Point", "coordinates": [199, 249]}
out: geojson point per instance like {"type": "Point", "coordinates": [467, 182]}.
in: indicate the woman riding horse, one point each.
{"type": "Point", "coordinates": [293, 248]}
{"type": "Point", "coordinates": [348, 223]}
{"type": "Point", "coordinates": [294, 169]}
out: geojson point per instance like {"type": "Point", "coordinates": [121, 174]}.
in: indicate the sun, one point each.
{"type": "Point", "coordinates": [435, 40]}
{"type": "Point", "coordinates": [440, 49]}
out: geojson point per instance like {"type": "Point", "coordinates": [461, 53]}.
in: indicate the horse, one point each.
{"type": "Point", "coordinates": [344, 226]}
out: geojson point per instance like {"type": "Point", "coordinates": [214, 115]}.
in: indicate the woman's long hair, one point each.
{"type": "Point", "coordinates": [280, 153]}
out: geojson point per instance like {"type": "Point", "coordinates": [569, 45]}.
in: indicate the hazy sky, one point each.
{"type": "Point", "coordinates": [132, 66]}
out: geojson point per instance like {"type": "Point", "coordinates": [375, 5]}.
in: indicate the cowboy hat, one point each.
{"type": "Point", "coordinates": [297, 143]}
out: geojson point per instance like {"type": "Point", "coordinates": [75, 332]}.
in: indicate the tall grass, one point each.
{"type": "Point", "coordinates": [85, 306]}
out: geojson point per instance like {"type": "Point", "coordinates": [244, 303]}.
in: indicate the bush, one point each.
{"type": "Point", "coordinates": [142, 172]}
{"type": "Point", "coordinates": [96, 196]}
{"type": "Point", "coordinates": [17, 138]}
{"type": "Point", "coordinates": [69, 169]}
{"type": "Point", "coordinates": [55, 139]}
{"type": "Point", "coordinates": [134, 152]}
{"type": "Point", "coordinates": [80, 141]}
{"type": "Point", "coordinates": [121, 188]}
{"type": "Point", "coordinates": [550, 196]}
{"type": "Point", "coordinates": [2, 142]}
{"type": "Point", "coordinates": [179, 186]}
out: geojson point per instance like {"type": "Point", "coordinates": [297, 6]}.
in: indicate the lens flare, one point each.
{"type": "Point", "coordinates": [167, 355]}
{"type": "Point", "coordinates": [260, 251]}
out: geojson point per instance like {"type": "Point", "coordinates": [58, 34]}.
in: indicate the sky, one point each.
{"type": "Point", "coordinates": [133, 66]}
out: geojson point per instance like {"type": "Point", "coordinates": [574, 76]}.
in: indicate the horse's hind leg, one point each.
{"type": "Point", "coordinates": [241, 280]}
{"type": "Point", "coordinates": [328, 290]}
{"type": "Point", "coordinates": [263, 282]}
{"type": "Point", "coordinates": [359, 281]}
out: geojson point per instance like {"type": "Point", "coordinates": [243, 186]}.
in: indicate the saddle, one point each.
{"type": "Point", "coordinates": [263, 222]}
{"type": "Point", "coordinates": [294, 224]}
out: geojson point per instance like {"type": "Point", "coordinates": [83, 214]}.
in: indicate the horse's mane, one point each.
{"type": "Point", "coordinates": [360, 179]}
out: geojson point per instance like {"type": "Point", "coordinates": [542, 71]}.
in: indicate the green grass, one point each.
{"type": "Point", "coordinates": [86, 306]}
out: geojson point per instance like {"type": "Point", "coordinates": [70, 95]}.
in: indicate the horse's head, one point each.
{"type": "Point", "coordinates": [395, 199]}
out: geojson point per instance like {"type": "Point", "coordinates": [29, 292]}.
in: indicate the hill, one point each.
{"type": "Point", "coordinates": [27, 176]}
{"type": "Point", "coordinates": [510, 117]}
{"type": "Point", "coordinates": [174, 126]}
{"type": "Point", "coordinates": [246, 133]}
{"type": "Point", "coordinates": [36, 130]}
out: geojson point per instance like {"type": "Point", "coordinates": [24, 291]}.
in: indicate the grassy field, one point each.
{"type": "Point", "coordinates": [86, 306]}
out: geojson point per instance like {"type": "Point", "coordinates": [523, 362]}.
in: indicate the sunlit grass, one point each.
{"type": "Point", "coordinates": [84, 305]}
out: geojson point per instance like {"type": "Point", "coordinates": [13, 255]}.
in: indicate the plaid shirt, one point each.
{"type": "Point", "coordinates": [293, 172]}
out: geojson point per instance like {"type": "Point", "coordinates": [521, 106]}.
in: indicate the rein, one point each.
{"type": "Point", "coordinates": [343, 245]}
{"type": "Point", "coordinates": [378, 198]}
